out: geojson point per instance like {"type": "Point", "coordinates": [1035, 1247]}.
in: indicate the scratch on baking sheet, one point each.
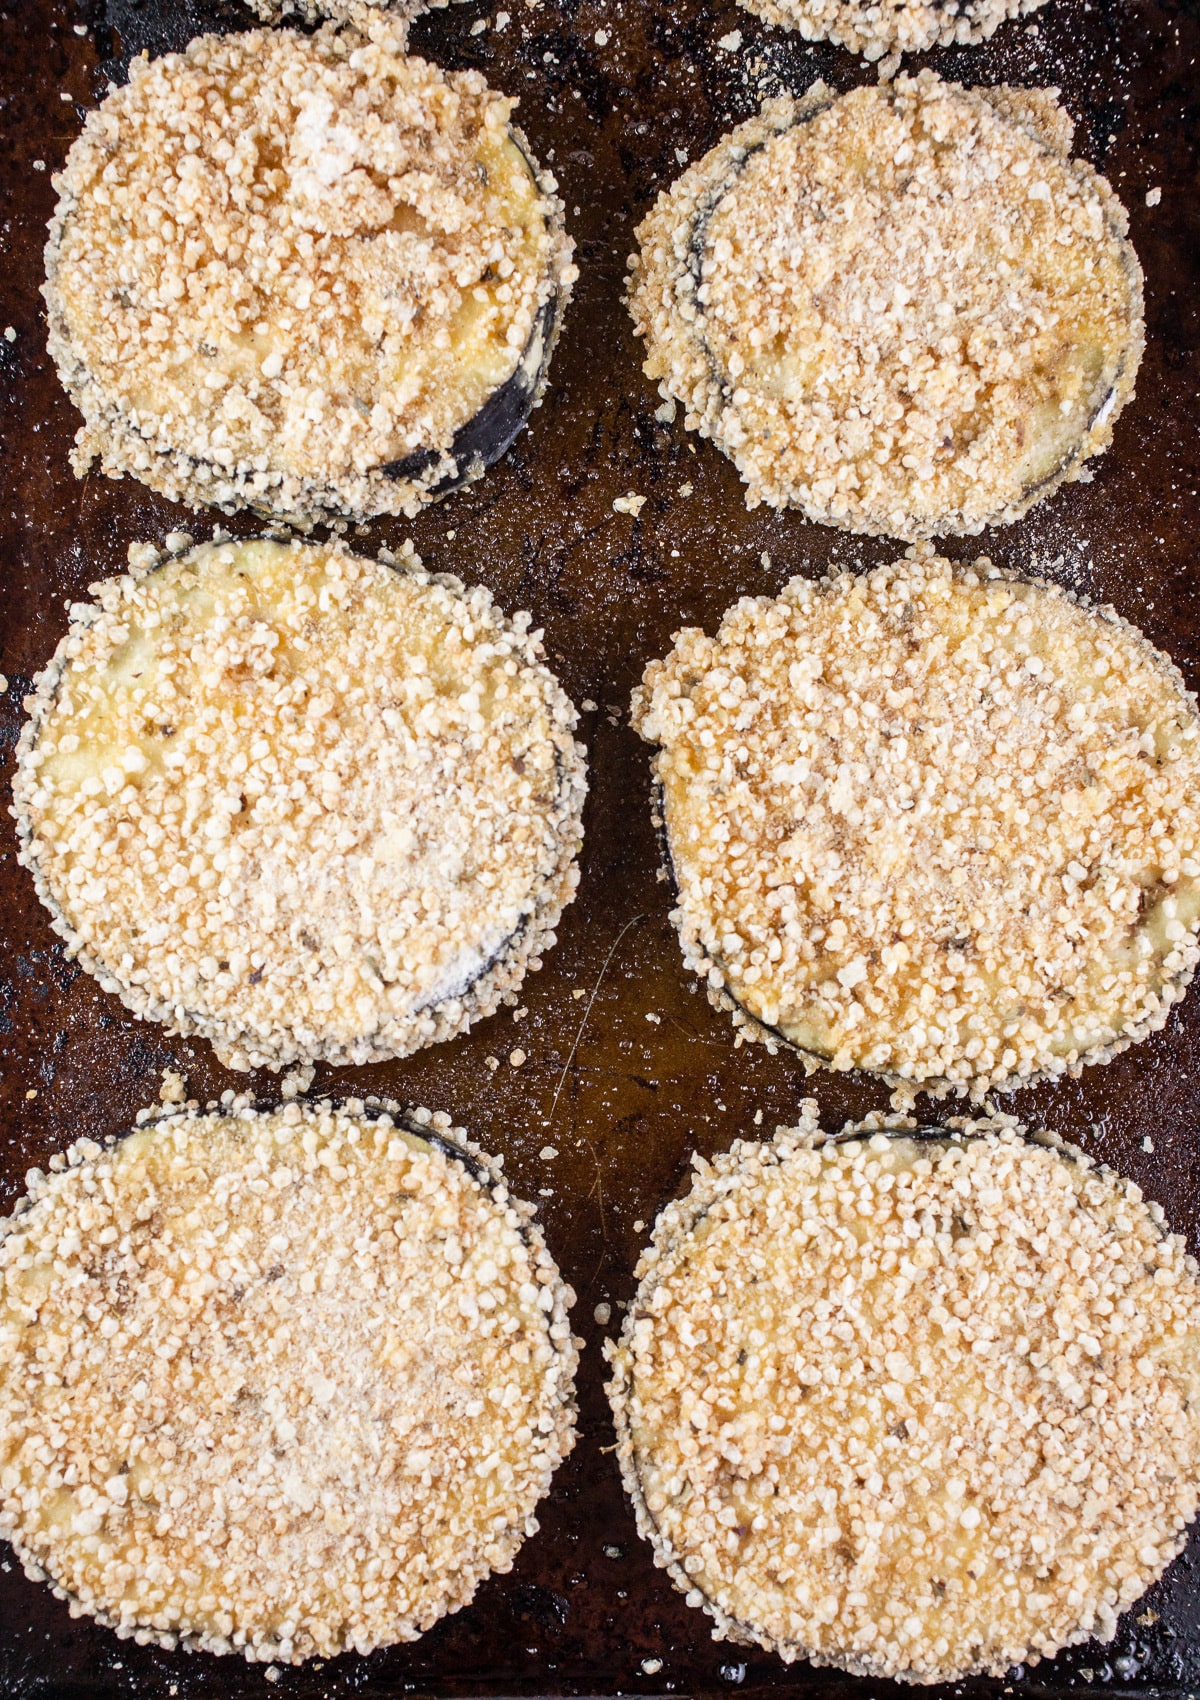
{"type": "Point", "coordinates": [690, 1033]}
{"type": "Point", "coordinates": [612, 951]}
{"type": "Point", "coordinates": [596, 1190]}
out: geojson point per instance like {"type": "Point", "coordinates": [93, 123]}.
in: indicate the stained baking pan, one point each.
{"type": "Point", "coordinates": [625, 1070]}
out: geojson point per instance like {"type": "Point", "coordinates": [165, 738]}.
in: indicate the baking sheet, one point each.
{"type": "Point", "coordinates": [614, 95]}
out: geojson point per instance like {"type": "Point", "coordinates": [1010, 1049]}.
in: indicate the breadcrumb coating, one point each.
{"type": "Point", "coordinates": [310, 806]}
{"type": "Point", "coordinates": [282, 1383]}
{"type": "Point", "coordinates": [904, 310]}
{"type": "Point", "coordinates": [311, 11]}
{"type": "Point", "coordinates": [935, 821]}
{"type": "Point", "coordinates": [918, 1409]}
{"type": "Point", "coordinates": [286, 271]}
{"type": "Point", "coordinates": [874, 28]}
{"type": "Point", "coordinates": [341, 11]}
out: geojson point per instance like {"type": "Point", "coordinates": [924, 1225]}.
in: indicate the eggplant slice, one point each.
{"type": "Point", "coordinates": [904, 310]}
{"type": "Point", "coordinates": [335, 293]}
{"type": "Point", "coordinates": [875, 28]}
{"type": "Point", "coordinates": [310, 806]}
{"type": "Point", "coordinates": [833, 1390]}
{"type": "Point", "coordinates": [320, 1374]}
{"type": "Point", "coordinates": [940, 823]}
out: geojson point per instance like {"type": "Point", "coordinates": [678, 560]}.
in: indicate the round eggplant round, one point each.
{"type": "Point", "coordinates": [916, 823]}
{"type": "Point", "coordinates": [307, 274]}
{"type": "Point", "coordinates": [834, 1387]}
{"type": "Point", "coordinates": [290, 1337]}
{"type": "Point", "coordinates": [904, 310]}
{"type": "Point", "coordinates": [307, 805]}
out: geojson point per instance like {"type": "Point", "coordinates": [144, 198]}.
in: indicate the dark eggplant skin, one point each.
{"type": "Point", "coordinates": [494, 429]}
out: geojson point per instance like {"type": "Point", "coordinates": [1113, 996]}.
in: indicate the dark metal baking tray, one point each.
{"type": "Point", "coordinates": [624, 1099]}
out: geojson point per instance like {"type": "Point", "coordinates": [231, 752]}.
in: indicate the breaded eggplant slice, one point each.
{"type": "Point", "coordinates": [281, 1383]}
{"type": "Point", "coordinates": [904, 310]}
{"type": "Point", "coordinates": [936, 821]}
{"type": "Point", "coordinates": [874, 28]}
{"type": "Point", "coordinates": [310, 806]}
{"type": "Point", "coordinates": [306, 274]}
{"type": "Point", "coordinates": [917, 1407]}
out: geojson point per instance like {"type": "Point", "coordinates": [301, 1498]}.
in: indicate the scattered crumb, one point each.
{"type": "Point", "coordinates": [297, 1081]}
{"type": "Point", "coordinates": [731, 42]}
{"type": "Point", "coordinates": [601, 38]}
{"type": "Point", "coordinates": [1147, 1143]}
{"type": "Point", "coordinates": [651, 1667]}
{"type": "Point", "coordinates": [548, 1153]}
{"type": "Point", "coordinates": [686, 489]}
{"type": "Point", "coordinates": [1153, 197]}
{"type": "Point", "coordinates": [630, 504]}
{"type": "Point", "coordinates": [579, 992]}
{"type": "Point", "coordinates": [517, 1057]}
{"type": "Point", "coordinates": [31, 1094]}
{"type": "Point", "coordinates": [173, 1089]}
{"type": "Point", "coordinates": [602, 1314]}
{"type": "Point", "coordinates": [492, 1062]}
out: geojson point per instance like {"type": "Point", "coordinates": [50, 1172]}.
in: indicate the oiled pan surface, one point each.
{"type": "Point", "coordinates": [614, 97]}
